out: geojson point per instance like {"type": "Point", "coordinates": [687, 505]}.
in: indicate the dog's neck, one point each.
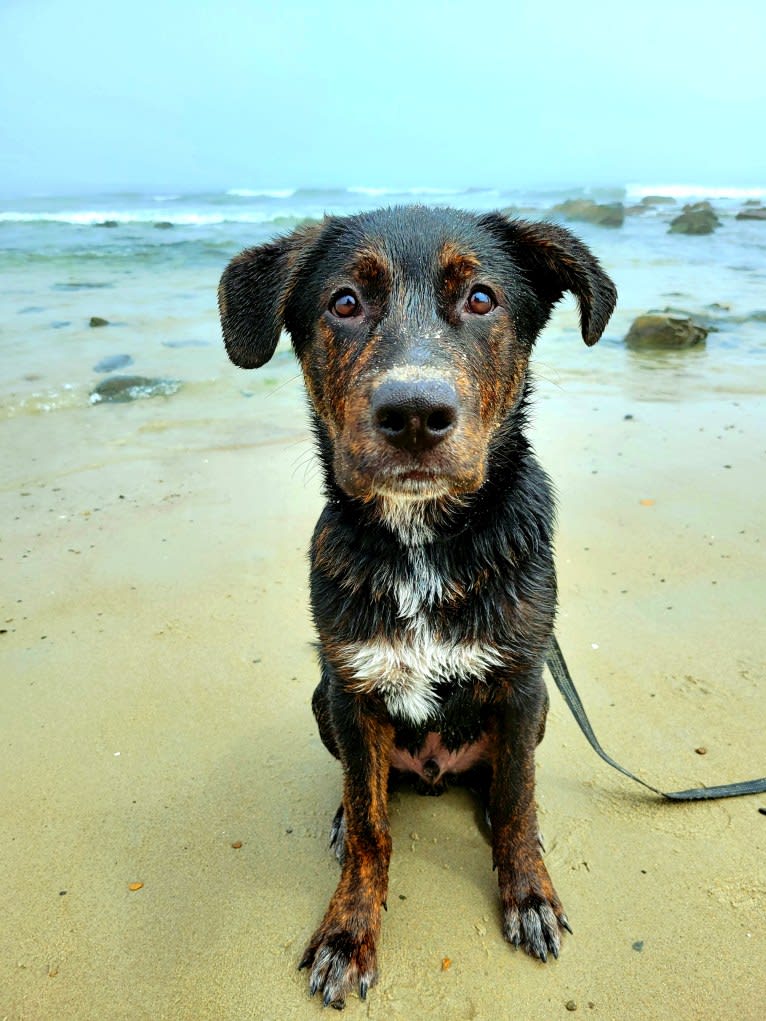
{"type": "Point", "coordinates": [418, 522]}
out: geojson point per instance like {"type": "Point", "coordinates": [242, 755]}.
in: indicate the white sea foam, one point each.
{"type": "Point", "coordinates": [381, 192]}
{"type": "Point", "coordinates": [635, 192]}
{"type": "Point", "coordinates": [90, 217]}
{"type": "Point", "coordinates": [267, 193]}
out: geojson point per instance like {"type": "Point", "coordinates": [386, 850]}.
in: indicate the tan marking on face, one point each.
{"type": "Point", "coordinates": [372, 271]}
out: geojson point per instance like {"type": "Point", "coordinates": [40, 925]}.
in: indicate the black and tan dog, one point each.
{"type": "Point", "coordinates": [432, 576]}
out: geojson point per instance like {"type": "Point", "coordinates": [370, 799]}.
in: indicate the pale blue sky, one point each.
{"type": "Point", "coordinates": [187, 95]}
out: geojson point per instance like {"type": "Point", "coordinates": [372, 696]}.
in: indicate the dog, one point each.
{"type": "Point", "coordinates": [433, 587]}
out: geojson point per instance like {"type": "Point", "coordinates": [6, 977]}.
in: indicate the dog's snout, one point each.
{"type": "Point", "coordinates": [415, 415]}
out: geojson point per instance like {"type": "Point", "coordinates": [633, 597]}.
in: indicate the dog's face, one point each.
{"type": "Point", "coordinates": [413, 328]}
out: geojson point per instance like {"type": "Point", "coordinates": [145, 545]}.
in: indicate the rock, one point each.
{"type": "Point", "coordinates": [112, 362]}
{"type": "Point", "coordinates": [657, 200]}
{"type": "Point", "coordinates": [609, 214]}
{"type": "Point", "coordinates": [163, 225]}
{"type": "Point", "coordinates": [656, 330]}
{"type": "Point", "coordinates": [186, 343]}
{"type": "Point", "coordinates": [696, 218]}
{"type": "Point", "coordinates": [752, 213]}
{"type": "Point", "coordinates": [80, 285]}
{"type": "Point", "coordinates": [120, 389]}
{"type": "Point", "coordinates": [108, 223]}
{"type": "Point", "coordinates": [98, 321]}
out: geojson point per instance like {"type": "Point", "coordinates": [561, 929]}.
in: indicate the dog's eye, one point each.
{"type": "Point", "coordinates": [480, 301]}
{"type": "Point", "coordinates": [345, 304]}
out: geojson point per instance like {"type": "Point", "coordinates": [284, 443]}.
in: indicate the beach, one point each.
{"type": "Point", "coordinates": [167, 799]}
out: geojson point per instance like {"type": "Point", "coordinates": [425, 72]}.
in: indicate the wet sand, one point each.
{"type": "Point", "coordinates": [157, 671]}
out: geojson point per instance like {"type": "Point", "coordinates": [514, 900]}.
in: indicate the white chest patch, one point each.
{"type": "Point", "coordinates": [405, 671]}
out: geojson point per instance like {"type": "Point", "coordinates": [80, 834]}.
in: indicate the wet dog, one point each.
{"type": "Point", "coordinates": [432, 577]}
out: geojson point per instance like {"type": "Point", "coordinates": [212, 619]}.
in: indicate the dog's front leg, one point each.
{"type": "Point", "coordinates": [342, 951]}
{"type": "Point", "coordinates": [532, 911]}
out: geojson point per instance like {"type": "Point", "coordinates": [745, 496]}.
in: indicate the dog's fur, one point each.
{"type": "Point", "coordinates": [432, 576]}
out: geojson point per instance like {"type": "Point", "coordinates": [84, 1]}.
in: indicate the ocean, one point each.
{"type": "Point", "coordinates": [149, 264]}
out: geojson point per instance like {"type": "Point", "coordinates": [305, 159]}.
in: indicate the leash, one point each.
{"type": "Point", "coordinates": [562, 677]}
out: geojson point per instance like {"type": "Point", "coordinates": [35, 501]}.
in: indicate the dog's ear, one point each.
{"type": "Point", "coordinates": [252, 296]}
{"type": "Point", "coordinates": [554, 261]}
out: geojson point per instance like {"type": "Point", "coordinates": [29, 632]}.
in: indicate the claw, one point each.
{"type": "Point", "coordinates": [364, 985]}
{"type": "Point", "coordinates": [306, 960]}
{"type": "Point", "coordinates": [564, 923]}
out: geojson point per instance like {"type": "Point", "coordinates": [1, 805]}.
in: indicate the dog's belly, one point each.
{"type": "Point", "coordinates": [432, 760]}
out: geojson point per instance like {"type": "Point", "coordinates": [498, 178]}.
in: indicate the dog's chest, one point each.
{"type": "Point", "coordinates": [423, 657]}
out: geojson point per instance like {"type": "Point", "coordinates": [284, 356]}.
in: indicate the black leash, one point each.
{"type": "Point", "coordinates": [563, 679]}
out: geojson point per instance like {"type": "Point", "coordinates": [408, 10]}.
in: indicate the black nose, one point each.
{"type": "Point", "coordinates": [415, 415]}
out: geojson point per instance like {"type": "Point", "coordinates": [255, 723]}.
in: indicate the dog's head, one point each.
{"type": "Point", "coordinates": [413, 327]}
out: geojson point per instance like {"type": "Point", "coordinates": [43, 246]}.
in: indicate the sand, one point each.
{"type": "Point", "coordinates": [157, 670]}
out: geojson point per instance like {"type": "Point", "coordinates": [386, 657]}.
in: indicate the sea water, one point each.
{"type": "Point", "coordinates": [149, 264]}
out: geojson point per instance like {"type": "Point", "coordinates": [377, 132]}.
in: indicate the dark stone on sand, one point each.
{"type": "Point", "coordinates": [657, 200]}
{"type": "Point", "coordinates": [112, 362]}
{"type": "Point", "coordinates": [108, 223]}
{"type": "Point", "coordinates": [657, 330]}
{"type": "Point", "coordinates": [608, 214]}
{"type": "Point", "coordinates": [186, 343]}
{"type": "Point", "coordinates": [752, 213]}
{"type": "Point", "coordinates": [696, 218]}
{"type": "Point", "coordinates": [163, 225]}
{"type": "Point", "coordinates": [81, 286]}
{"type": "Point", "coordinates": [121, 389]}
{"type": "Point", "coordinates": [758, 316]}
{"type": "Point", "coordinates": [98, 321]}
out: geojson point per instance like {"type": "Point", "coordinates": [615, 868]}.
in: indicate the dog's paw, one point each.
{"type": "Point", "coordinates": [535, 925]}
{"type": "Point", "coordinates": [338, 834]}
{"type": "Point", "coordinates": [340, 962]}
{"type": "Point", "coordinates": [533, 915]}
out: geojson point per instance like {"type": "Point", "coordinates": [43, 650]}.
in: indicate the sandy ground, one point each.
{"type": "Point", "coordinates": [156, 674]}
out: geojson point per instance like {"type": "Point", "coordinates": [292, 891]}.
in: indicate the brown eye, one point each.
{"type": "Point", "coordinates": [480, 301]}
{"type": "Point", "coordinates": [345, 305]}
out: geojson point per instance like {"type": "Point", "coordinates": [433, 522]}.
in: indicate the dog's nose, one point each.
{"type": "Point", "coordinates": [415, 415]}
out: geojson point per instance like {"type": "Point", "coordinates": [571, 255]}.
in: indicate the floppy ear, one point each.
{"type": "Point", "coordinates": [554, 261]}
{"type": "Point", "coordinates": [252, 295]}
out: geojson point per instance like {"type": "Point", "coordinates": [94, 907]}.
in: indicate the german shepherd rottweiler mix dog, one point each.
{"type": "Point", "coordinates": [432, 577]}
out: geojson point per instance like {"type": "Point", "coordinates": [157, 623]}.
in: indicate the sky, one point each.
{"type": "Point", "coordinates": [171, 95]}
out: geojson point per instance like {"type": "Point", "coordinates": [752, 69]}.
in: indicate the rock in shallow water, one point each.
{"type": "Point", "coordinates": [664, 332]}
{"type": "Point", "coordinates": [696, 218]}
{"type": "Point", "coordinates": [98, 321]}
{"type": "Point", "coordinates": [121, 389]}
{"type": "Point", "coordinates": [112, 362]}
{"type": "Point", "coordinates": [610, 214]}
